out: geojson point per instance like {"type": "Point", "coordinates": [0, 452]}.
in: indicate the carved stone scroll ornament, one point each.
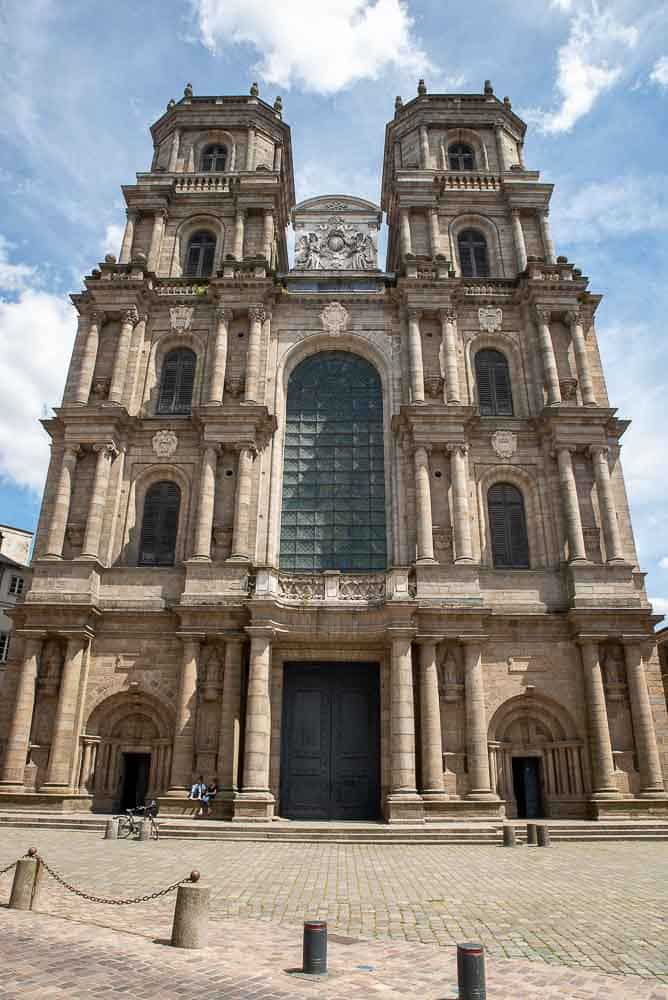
{"type": "Point", "coordinates": [164, 443]}
{"type": "Point", "coordinates": [504, 443]}
{"type": "Point", "coordinates": [181, 317]}
{"type": "Point", "coordinates": [490, 318]}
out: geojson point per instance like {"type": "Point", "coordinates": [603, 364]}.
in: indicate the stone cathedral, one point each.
{"type": "Point", "coordinates": [353, 541]}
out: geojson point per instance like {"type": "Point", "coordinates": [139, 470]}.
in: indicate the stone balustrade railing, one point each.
{"type": "Point", "coordinates": [194, 183]}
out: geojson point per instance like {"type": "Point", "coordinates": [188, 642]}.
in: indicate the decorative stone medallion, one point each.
{"type": "Point", "coordinates": [181, 317]}
{"type": "Point", "coordinates": [504, 443]}
{"type": "Point", "coordinates": [490, 318]}
{"type": "Point", "coordinates": [334, 318]}
{"type": "Point", "coordinates": [164, 443]}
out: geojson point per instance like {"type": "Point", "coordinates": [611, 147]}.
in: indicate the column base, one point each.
{"type": "Point", "coordinates": [405, 807]}
{"type": "Point", "coordinates": [55, 788]}
{"type": "Point", "coordinates": [482, 796]}
{"type": "Point", "coordinates": [652, 793]}
{"type": "Point", "coordinates": [253, 807]}
{"type": "Point", "coordinates": [178, 792]}
{"type": "Point", "coordinates": [605, 794]}
{"type": "Point", "coordinates": [434, 795]}
{"type": "Point", "coordinates": [425, 561]}
{"type": "Point", "coordinates": [238, 558]}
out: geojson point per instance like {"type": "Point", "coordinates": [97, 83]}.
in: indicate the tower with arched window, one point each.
{"type": "Point", "coordinates": [349, 537]}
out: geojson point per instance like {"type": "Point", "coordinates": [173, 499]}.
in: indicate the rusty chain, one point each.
{"type": "Point", "coordinates": [193, 877]}
{"type": "Point", "coordinates": [3, 871]}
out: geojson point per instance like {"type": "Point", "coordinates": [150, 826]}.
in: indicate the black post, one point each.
{"type": "Point", "coordinates": [508, 835]}
{"type": "Point", "coordinates": [315, 947]}
{"type": "Point", "coordinates": [543, 836]}
{"type": "Point", "coordinates": [532, 835]}
{"type": "Point", "coordinates": [471, 971]}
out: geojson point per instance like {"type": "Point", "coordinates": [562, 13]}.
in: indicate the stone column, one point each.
{"type": "Point", "coordinates": [61, 503]}
{"type": "Point", "coordinates": [571, 506]}
{"type": "Point", "coordinates": [425, 536]}
{"type": "Point", "coordinates": [278, 157]}
{"type": "Point", "coordinates": [450, 361]}
{"type": "Point", "coordinates": [518, 240]}
{"type": "Point", "coordinates": [649, 762]}
{"type": "Point", "coordinates": [415, 356]}
{"type": "Point", "coordinates": [207, 499]}
{"type": "Point", "coordinates": [256, 801]}
{"type": "Point", "coordinates": [18, 737]}
{"type": "Point", "coordinates": [183, 753]}
{"type": "Point", "coordinates": [129, 320]}
{"type": "Point", "coordinates": [217, 381]}
{"type": "Point", "coordinates": [600, 747]}
{"type": "Point", "coordinates": [476, 723]}
{"type": "Point", "coordinates": [614, 550]}
{"type": "Point", "coordinates": [434, 232]}
{"type": "Point", "coordinates": [548, 245]}
{"type": "Point", "coordinates": [65, 738]}
{"type": "Point", "coordinates": [550, 373]}
{"type": "Point", "coordinates": [430, 724]}
{"type": "Point", "coordinates": [106, 453]}
{"type": "Point", "coordinates": [256, 316]}
{"type": "Point", "coordinates": [87, 358]}
{"type": "Point", "coordinates": [581, 359]}
{"type": "Point", "coordinates": [250, 148]}
{"type": "Point", "coordinates": [404, 803]}
{"type": "Point", "coordinates": [239, 224]}
{"type": "Point", "coordinates": [174, 151]}
{"type": "Point", "coordinates": [500, 148]}
{"type": "Point", "coordinates": [460, 503]}
{"type": "Point", "coordinates": [128, 236]}
{"type": "Point", "coordinates": [405, 232]}
{"type": "Point", "coordinates": [268, 235]}
{"type": "Point", "coordinates": [424, 147]}
{"type": "Point", "coordinates": [242, 499]}
{"type": "Point", "coordinates": [230, 718]}
{"type": "Point", "coordinates": [153, 263]}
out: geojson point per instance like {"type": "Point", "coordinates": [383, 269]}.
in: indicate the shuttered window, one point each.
{"type": "Point", "coordinates": [177, 381]}
{"type": "Point", "coordinates": [473, 257]}
{"type": "Point", "coordinates": [199, 255]}
{"type": "Point", "coordinates": [507, 525]}
{"type": "Point", "coordinates": [160, 525]}
{"type": "Point", "coordinates": [214, 159]}
{"type": "Point", "coordinates": [493, 380]}
{"type": "Point", "coordinates": [460, 157]}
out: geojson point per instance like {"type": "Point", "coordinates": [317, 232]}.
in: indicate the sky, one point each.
{"type": "Point", "coordinates": [82, 82]}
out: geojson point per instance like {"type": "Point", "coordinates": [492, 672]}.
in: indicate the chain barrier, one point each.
{"type": "Point", "coordinates": [3, 871]}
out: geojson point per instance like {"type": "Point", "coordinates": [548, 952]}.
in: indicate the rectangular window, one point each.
{"type": "Point", "coordinates": [16, 585]}
{"type": "Point", "coordinates": [4, 646]}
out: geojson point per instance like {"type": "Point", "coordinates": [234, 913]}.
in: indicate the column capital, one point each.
{"type": "Point", "coordinates": [224, 314]}
{"type": "Point", "coordinates": [559, 448]}
{"type": "Point", "coordinates": [195, 637]}
{"type": "Point", "coordinates": [161, 213]}
{"type": "Point", "coordinates": [130, 315]}
{"type": "Point", "coordinates": [108, 448]}
{"type": "Point", "coordinates": [241, 212]}
{"type": "Point", "coordinates": [515, 213]}
{"type": "Point", "coordinates": [414, 315]}
{"type": "Point", "coordinates": [543, 314]}
{"type": "Point", "coordinates": [132, 214]}
{"type": "Point", "coordinates": [257, 313]}
{"type": "Point", "coordinates": [598, 449]}
{"type": "Point", "coordinates": [448, 314]}
{"type": "Point", "coordinates": [240, 446]}
{"type": "Point", "coordinates": [542, 213]}
{"type": "Point", "coordinates": [472, 640]}
{"type": "Point", "coordinates": [573, 316]}
{"type": "Point", "coordinates": [457, 446]}
{"type": "Point", "coordinates": [266, 632]}
{"type": "Point", "coordinates": [71, 451]}
{"type": "Point", "coordinates": [92, 314]}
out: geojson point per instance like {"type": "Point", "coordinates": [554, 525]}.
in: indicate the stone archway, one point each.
{"type": "Point", "coordinates": [120, 730]}
{"type": "Point", "coordinates": [533, 740]}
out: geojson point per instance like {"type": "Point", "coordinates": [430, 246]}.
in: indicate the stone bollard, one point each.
{"type": "Point", "coordinates": [111, 829]}
{"type": "Point", "coordinates": [314, 953]}
{"type": "Point", "coordinates": [532, 835]}
{"type": "Point", "coordinates": [144, 830]}
{"type": "Point", "coordinates": [471, 971]}
{"type": "Point", "coordinates": [191, 914]}
{"type": "Point", "coordinates": [24, 888]}
{"type": "Point", "coordinates": [509, 839]}
{"type": "Point", "coordinates": [543, 836]}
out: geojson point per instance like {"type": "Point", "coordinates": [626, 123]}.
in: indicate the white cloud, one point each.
{"type": "Point", "coordinates": [620, 206]}
{"type": "Point", "coordinates": [659, 606]}
{"type": "Point", "coordinates": [660, 72]}
{"type": "Point", "coordinates": [663, 563]}
{"type": "Point", "coordinates": [36, 332]}
{"type": "Point", "coordinates": [112, 239]}
{"type": "Point", "coordinates": [323, 47]}
{"type": "Point", "coordinates": [589, 63]}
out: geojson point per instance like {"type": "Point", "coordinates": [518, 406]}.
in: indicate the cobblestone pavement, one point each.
{"type": "Point", "coordinates": [576, 910]}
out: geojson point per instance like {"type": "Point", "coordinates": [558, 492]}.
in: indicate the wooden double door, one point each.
{"type": "Point", "coordinates": [330, 747]}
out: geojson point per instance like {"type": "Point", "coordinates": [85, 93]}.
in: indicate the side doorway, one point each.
{"type": "Point", "coordinates": [136, 770]}
{"type": "Point", "coordinates": [527, 787]}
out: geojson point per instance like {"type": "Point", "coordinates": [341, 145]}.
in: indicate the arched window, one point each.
{"type": "Point", "coordinates": [160, 525]}
{"type": "Point", "coordinates": [333, 467]}
{"type": "Point", "coordinates": [177, 381]}
{"type": "Point", "coordinates": [214, 159]}
{"type": "Point", "coordinates": [493, 381]}
{"type": "Point", "coordinates": [460, 156]}
{"type": "Point", "coordinates": [508, 527]}
{"type": "Point", "coordinates": [200, 254]}
{"type": "Point", "coordinates": [473, 258]}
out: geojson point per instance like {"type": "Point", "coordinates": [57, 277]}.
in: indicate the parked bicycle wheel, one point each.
{"type": "Point", "coordinates": [154, 830]}
{"type": "Point", "coordinates": [125, 826]}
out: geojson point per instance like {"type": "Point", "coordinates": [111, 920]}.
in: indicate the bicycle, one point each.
{"type": "Point", "coordinates": [129, 823]}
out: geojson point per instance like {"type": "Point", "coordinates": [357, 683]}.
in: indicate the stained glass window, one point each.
{"type": "Point", "coordinates": [333, 467]}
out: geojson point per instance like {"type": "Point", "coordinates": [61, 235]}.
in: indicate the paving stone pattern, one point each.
{"type": "Point", "coordinates": [576, 911]}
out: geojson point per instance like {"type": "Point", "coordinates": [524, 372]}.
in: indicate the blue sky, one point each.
{"type": "Point", "coordinates": [82, 82]}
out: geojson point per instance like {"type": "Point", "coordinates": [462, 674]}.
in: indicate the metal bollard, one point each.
{"type": "Point", "coordinates": [144, 830]}
{"type": "Point", "coordinates": [532, 835]}
{"type": "Point", "coordinates": [543, 836]}
{"type": "Point", "coordinates": [509, 839]}
{"type": "Point", "coordinates": [315, 947]}
{"type": "Point", "coordinates": [191, 914]}
{"type": "Point", "coordinates": [471, 971]}
{"type": "Point", "coordinates": [24, 887]}
{"type": "Point", "coordinates": [111, 830]}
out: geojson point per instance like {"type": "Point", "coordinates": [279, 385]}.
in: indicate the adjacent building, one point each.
{"type": "Point", "coordinates": [354, 540]}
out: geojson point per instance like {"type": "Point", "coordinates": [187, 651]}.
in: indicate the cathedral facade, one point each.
{"type": "Point", "coordinates": [352, 541]}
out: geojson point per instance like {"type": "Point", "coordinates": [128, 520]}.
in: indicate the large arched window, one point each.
{"type": "Point", "coordinates": [333, 467]}
{"type": "Point", "coordinates": [199, 255]}
{"type": "Point", "coordinates": [473, 256]}
{"type": "Point", "coordinates": [460, 156]}
{"type": "Point", "coordinates": [160, 523]}
{"type": "Point", "coordinates": [214, 159]}
{"type": "Point", "coordinates": [493, 381]}
{"type": "Point", "coordinates": [177, 381]}
{"type": "Point", "coordinates": [508, 527]}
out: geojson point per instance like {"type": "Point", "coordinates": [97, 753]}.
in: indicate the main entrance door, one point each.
{"type": "Point", "coordinates": [526, 785]}
{"type": "Point", "coordinates": [330, 756]}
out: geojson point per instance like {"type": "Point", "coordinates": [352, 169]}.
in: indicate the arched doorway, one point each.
{"type": "Point", "coordinates": [536, 759]}
{"type": "Point", "coordinates": [126, 751]}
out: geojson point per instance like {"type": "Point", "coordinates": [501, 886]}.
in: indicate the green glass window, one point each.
{"type": "Point", "coordinates": [333, 467]}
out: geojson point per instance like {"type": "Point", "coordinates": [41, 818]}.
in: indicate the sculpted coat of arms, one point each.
{"type": "Point", "coordinates": [339, 246]}
{"type": "Point", "coordinates": [181, 317]}
{"type": "Point", "coordinates": [164, 443]}
{"type": "Point", "coordinates": [504, 443]}
{"type": "Point", "coordinates": [334, 318]}
{"type": "Point", "coordinates": [490, 318]}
